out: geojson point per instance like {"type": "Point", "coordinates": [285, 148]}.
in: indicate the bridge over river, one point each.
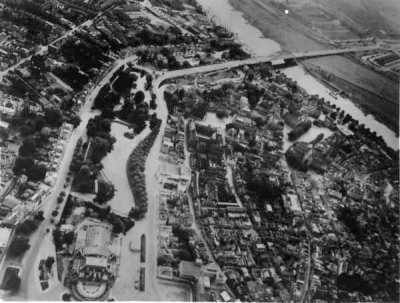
{"type": "Point", "coordinates": [256, 60]}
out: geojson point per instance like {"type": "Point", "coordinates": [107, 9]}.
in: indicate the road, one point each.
{"type": "Point", "coordinates": [157, 12]}
{"type": "Point", "coordinates": [155, 290]}
{"type": "Point", "coordinates": [307, 280]}
{"type": "Point", "coordinates": [43, 49]}
{"type": "Point", "coordinates": [30, 262]}
{"type": "Point", "coordinates": [230, 177]}
{"type": "Point", "coordinates": [257, 60]}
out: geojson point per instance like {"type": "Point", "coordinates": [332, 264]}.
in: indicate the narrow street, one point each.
{"type": "Point", "coordinates": [229, 177]}
{"type": "Point", "coordinates": [147, 225]}
{"type": "Point", "coordinates": [44, 48]}
{"type": "Point", "coordinates": [29, 262]}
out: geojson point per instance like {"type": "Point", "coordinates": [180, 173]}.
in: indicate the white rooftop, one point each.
{"type": "Point", "coordinates": [4, 236]}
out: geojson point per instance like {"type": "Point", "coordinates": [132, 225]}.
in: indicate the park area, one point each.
{"type": "Point", "coordinates": [115, 167]}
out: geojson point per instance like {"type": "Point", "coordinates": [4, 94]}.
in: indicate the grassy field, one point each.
{"type": "Point", "coordinates": [375, 93]}
{"type": "Point", "coordinates": [360, 76]}
{"type": "Point", "coordinates": [372, 15]}
{"type": "Point", "coordinates": [384, 111]}
{"type": "Point", "coordinates": [275, 27]}
{"type": "Point", "coordinates": [371, 91]}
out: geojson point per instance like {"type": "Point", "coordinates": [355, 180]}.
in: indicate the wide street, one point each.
{"type": "Point", "coordinates": [149, 224]}
{"type": "Point", "coordinates": [155, 290]}
{"type": "Point", "coordinates": [29, 262]}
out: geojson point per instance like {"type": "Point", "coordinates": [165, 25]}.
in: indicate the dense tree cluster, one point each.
{"type": "Point", "coordinates": [254, 93]}
{"type": "Point", "coordinates": [222, 113]}
{"type": "Point", "coordinates": [25, 164]}
{"type": "Point", "coordinates": [235, 52]}
{"type": "Point", "coordinates": [135, 111]}
{"type": "Point", "coordinates": [84, 180]}
{"type": "Point", "coordinates": [34, 9]}
{"type": "Point", "coordinates": [135, 171]}
{"type": "Point", "coordinates": [106, 100]}
{"type": "Point", "coordinates": [28, 123]}
{"type": "Point", "coordinates": [27, 227]}
{"type": "Point", "coordinates": [148, 37]}
{"type": "Point", "coordinates": [85, 172]}
{"type": "Point", "coordinates": [153, 103]}
{"type": "Point", "coordinates": [83, 54]}
{"type": "Point", "coordinates": [98, 128]}
{"type": "Point", "coordinates": [99, 148]}
{"type": "Point", "coordinates": [120, 224]}
{"type": "Point", "coordinates": [190, 102]}
{"type": "Point", "coordinates": [19, 245]}
{"type": "Point", "coordinates": [53, 117]}
{"type": "Point", "coordinates": [37, 30]}
{"type": "Point", "coordinates": [149, 82]}
{"type": "Point", "coordinates": [153, 121]}
{"type": "Point", "coordinates": [75, 120]}
{"type": "Point", "coordinates": [123, 83]}
{"type": "Point", "coordinates": [172, 100]}
{"type": "Point", "coordinates": [266, 190]}
{"type": "Point", "coordinates": [105, 192]}
{"type": "Point", "coordinates": [11, 280]}
{"type": "Point", "coordinates": [169, 62]}
{"type": "Point", "coordinates": [72, 76]}
{"type": "Point", "coordinates": [49, 262]}
{"type": "Point", "coordinates": [265, 70]}
{"type": "Point", "coordinates": [62, 238]}
{"type": "Point", "coordinates": [184, 234]}
{"type": "Point", "coordinates": [19, 88]}
{"type": "Point", "coordinates": [364, 232]}
{"type": "Point", "coordinates": [28, 147]}
{"type": "Point", "coordinates": [77, 158]}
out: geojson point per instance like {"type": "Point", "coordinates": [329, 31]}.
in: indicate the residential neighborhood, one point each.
{"type": "Point", "coordinates": [148, 152]}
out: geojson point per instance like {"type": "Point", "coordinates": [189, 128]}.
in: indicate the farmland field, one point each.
{"type": "Point", "coordinates": [360, 76]}
{"type": "Point", "coordinates": [374, 93]}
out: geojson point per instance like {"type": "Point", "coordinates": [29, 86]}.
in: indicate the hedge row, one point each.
{"type": "Point", "coordinates": [135, 171]}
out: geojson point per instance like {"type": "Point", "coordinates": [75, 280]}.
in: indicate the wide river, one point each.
{"type": "Point", "coordinates": [253, 40]}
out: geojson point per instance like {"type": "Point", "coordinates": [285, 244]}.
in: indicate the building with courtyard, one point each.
{"type": "Point", "coordinates": [95, 261]}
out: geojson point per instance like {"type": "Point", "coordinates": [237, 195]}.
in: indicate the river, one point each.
{"type": "Point", "coordinates": [253, 39]}
{"type": "Point", "coordinates": [313, 86]}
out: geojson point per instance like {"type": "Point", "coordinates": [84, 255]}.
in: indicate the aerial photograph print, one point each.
{"type": "Point", "coordinates": [200, 150]}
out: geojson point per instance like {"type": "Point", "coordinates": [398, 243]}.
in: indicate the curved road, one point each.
{"type": "Point", "coordinates": [30, 261]}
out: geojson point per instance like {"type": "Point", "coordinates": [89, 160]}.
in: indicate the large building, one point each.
{"type": "Point", "coordinates": [179, 175]}
{"type": "Point", "coordinates": [95, 262]}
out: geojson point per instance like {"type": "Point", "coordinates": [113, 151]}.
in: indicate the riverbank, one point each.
{"type": "Point", "coordinates": [270, 25]}
{"type": "Point", "coordinates": [252, 39]}
{"type": "Point", "coordinates": [315, 87]}
{"type": "Point", "coordinates": [384, 110]}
